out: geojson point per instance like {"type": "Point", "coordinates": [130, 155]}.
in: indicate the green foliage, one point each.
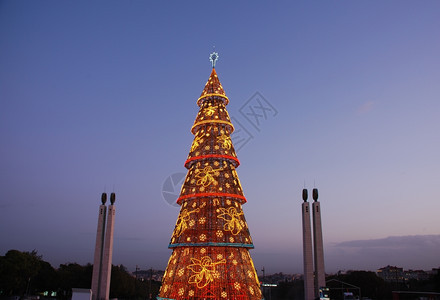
{"type": "Point", "coordinates": [17, 270]}
{"type": "Point", "coordinates": [25, 273]}
{"type": "Point", "coordinates": [46, 279]}
{"type": "Point", "coordinates": [124, 286]}
{"type": "Point", "coordinates": [285, 291]}
{"type": "Point", "coordinates": [73, 275]}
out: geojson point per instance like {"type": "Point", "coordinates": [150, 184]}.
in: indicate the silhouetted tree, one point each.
{"type": "Point", "coordinates": [17, 272]}
{"type": "Point", "coordinates": [287, 290]}
{"type": "Point", "coordinates": [73, 275]}
{"type": "Point", "coordinates": [122, 284]}
{"type": "Point", "coordinates": [46, 279]}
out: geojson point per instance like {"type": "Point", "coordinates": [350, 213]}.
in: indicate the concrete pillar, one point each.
{"type": "Point", "coordinates": [99, 246]}
{"type": "Point", "coordinates": [318, 245]}
{"type": "Point", "coordinates": [307, 251]}
{"type": "Point", "coordinates": [107, 255]}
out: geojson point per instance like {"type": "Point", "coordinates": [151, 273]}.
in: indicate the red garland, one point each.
{"type": "Point", "coordinates": [212, 195]}
{"type": "Point", "coordinates": [211, 156]}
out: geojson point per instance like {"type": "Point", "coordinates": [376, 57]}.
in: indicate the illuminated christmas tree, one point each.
{"type": "Point", "coordinates": [211, 239]}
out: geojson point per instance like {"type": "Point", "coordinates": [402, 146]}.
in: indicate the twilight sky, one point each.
{"type": "Point", "coordinates": [100, 96]}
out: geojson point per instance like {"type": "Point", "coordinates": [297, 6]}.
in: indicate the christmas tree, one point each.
{"type": "Point", "coordinates": [211, 239]}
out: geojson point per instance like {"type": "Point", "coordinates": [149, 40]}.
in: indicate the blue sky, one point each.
{"type": "Point", "coordinates": [101, 96]}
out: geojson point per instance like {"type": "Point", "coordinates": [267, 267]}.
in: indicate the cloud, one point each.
{"type": "Point", "coordinates": [396, 242]}
{"type": "Point", "coordinates": [366, 107]}
{"type": "Point", "coordinates": [409, 252]}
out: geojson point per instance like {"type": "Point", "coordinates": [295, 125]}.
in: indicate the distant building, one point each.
{"type": "Point", "coordinates": [391, 274]}
{"type": "Point", "coordinates": [279, 277]}
{"type": "Point", "coordinates": [435, 271]}
{"type": "Point", "coordinates": [396, 274]}
{"type": "Point", "coordinates": [343, 272]}
{"type": "Point", "coordinates": [144, 275]}
{"type": "Point", "coordinates": [416, 275]}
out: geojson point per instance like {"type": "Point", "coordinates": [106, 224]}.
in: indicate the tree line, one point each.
{"type": "Point", "coordinates": [26, 273]}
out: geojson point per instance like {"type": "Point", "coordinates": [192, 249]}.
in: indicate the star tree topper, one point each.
{"type": "Point", "coordinates": [213, 57]}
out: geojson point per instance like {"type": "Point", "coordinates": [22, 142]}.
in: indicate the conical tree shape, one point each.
{"type": "Point", "coordinates": [211, 240]}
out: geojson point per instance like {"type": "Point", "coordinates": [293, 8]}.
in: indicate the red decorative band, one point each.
{"type": "Point", "coordinates": [212, 195]}
{"type": "Point", "coordinates": [212, 156]}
